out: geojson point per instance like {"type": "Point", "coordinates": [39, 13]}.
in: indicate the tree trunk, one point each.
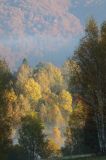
{"type": "Point", "coordinates": [101, 131]}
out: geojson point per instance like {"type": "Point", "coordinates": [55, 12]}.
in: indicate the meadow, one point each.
{"type": "Point", "coordinates": [89, 158]}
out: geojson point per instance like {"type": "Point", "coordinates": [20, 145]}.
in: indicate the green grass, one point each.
{"type": "Point", "coordinates": [91, 158]}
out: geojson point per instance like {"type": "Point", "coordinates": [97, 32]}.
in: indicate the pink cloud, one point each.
{"type": "Point", "coordinates": [25, 24]}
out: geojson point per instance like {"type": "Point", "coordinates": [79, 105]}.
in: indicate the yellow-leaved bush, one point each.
{"type": "Point", "coordinates": [53, 148]}
{"type": "Point", "coordinates": [10, 96]}
{"type": "Point", "coordinates": [57, 136]}
{"type": "Point", "coordinates": [33, 89]}
{"type": "Point", "coordinates": [66, 100]}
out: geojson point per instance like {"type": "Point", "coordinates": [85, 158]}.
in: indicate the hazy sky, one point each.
{"type": "Point", "coordinates": [44, 30]}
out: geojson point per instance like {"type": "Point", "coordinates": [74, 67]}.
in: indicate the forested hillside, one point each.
{"type": "Point", "coordinates": [47, 111]}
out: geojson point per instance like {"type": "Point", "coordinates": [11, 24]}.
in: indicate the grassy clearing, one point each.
{"type": "Point", "coordinates": [90, 158]}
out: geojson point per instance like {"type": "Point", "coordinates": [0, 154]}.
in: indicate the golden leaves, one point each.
{"type": "Point", "coordinates": [10, 96]}
{"type": "Point", "coordinates": [66, 100]}
{"type": "Point", "coordinates": [33, 89]}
